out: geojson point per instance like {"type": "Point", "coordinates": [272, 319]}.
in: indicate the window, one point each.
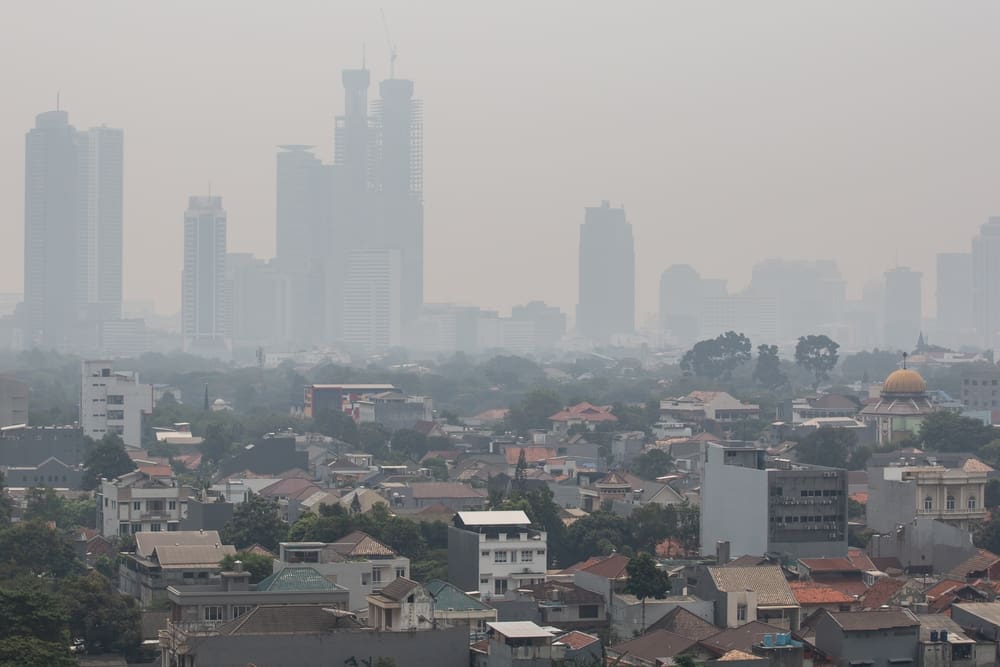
{"type": "Point", "coordinates": [972, 502]}
{"type": "Point", "coordinates": [527, 556]}
{"type": "Point", "coordinates": [123, 529]}
{"type": "Point", "coordinates": [240, 609]}
{"type": "Point", "coordinates": [484, 580]}
{"type": "Point", "coordinates": [172, 527]}
{"type": "Point", "coordinates": [485, 554]}
{"type": "Point", "coordinates": [741, 612]}
{"type": "Point", "coordinates": [588, 611]}
{"type": "Point", "coordinates": [137, 505]}
{"type": "Point", "coordinates": [400, 572]}
{"type": "Point", "coordinates": [513, 556]}
{"type": "Point", "coordinates": [950, 503]}
{"type": "Point", "coordinates": [499, 556]}
{"type": "Point", "coordinates": [136, 527]}
{"type": "Point", "coordinates": [500, 587]}
{"type": "Point", "coordinates": [154, 505]}
{"type": "Point", "coordinates": [366, 578]}
{"type": "Point", "coordinates": [116, 414]}
{"type": "Point", "coordinates": [376, 575]}
{"type": "Point", "coordinates": [172, 505]}
{"type": "Point", "coordinates": [928, 504]}
{"type": "Point", "coordinates": [116, 400]}
{"type": "Point", "coordinates": [154, 527]}
{"type": "Point", "coordinates": [213, 613]}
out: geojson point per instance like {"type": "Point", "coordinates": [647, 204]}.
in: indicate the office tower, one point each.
{"type": "Point", "coordinates": [204, 307]}
{"type": "Point", "coordinates": [607, 274]}
{"type": "Point", "coordinates": [809, 295]}
{"type": "Point", "coordinates": [398, 165]}
{"type": "Point", "coordinates": [954, 298]}
{"type": "Point", "coordinates": [902, 308]}
{"type": "Point", "coordinates": [549, 323]}
{"type": "Point", "coordinates": [986, 282]}
{"type": "Point", "coordinates": [51, 214]}
{"type": "Point", "coordinates": [260, 294]}
{"type": "Point", "coordinates": [100, 154]}
{"type": "Point", "coordinates": [113, 402]}
{"type": "Point", "coordinates": [680, 302]}
{"type": "Point", "coordinates": [372, 299]}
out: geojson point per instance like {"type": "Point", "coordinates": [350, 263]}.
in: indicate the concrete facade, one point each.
{"type": "Point", "coordinates": [495, 553]}
{"type": "Point", "coordinates": [13, 401]}
{"type": "Point", "coordinates": [113, 402]}
{"type": "Point", "coordinates": [898, 494]}
{"type": "Point", "coordinates": [876, 638]}
{"type": "Point", "coordinates": [141, 502]}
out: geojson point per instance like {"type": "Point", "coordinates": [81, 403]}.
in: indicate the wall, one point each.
{"type": "Point", "coordinates": [890, 503]}
{"type": "Point", "coordinates": [733, 507]}
{"type": "Point", "coordinates": [932, 545]}
{"type": "Point", "coordinates": [441, 648]}
{"type": "Point", "coordinates": [351, 574]}
{"type": "Point", "coordinates": [879, 646]}
{"type": "Point", "coordinates": [463, 559]}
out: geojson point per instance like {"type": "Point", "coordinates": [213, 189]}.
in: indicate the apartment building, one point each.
{"type": "Point", "coordinates": [113, 402]}
{"type": "Point", "coordinates": [147, 500]}
{"type": "Point", "coordinates": [495, 552]}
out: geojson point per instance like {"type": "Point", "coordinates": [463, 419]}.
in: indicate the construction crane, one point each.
{"type": "Point", "coordinates": [392, 47]}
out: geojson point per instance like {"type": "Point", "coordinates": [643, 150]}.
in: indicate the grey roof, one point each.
{"type": "Point", "coordinates": [290, 619]}
{"type": "Point", "coordinates": [146, 542]}
{"type": "Point", "coordinates": [171, 556]}
{"type": "Point", "coordinates": [399, 588]}
{"type": "Point", "coordinates": [741, 638]}
{"type": "Point", "coordinates": [495, 518]}
{"type": "Point", "coordinates": [876, 619]}
{"type": "Point", "coordinates": [655, 644]}
{"type": "Point", "coordinates": [767, 581]}
{"type": "Point", "coordinates": [685, 623]}
{"type": "Point", "coordinates": [988, 611]}
{"type": "Point", "coordinates": [522, 629]}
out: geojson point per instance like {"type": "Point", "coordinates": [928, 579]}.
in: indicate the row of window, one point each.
{"type": "Point", "coordinates": [808, 493]}
{"type": "Point", "coordinates": [950, 503]}
{"type": "Point", "coordinates": [816, 518]}
{"type": "Point", "coordinates": [375, 578]}
{"type": "Point", "coordinates": [501, 556]}
{"type": "Point", "coordinates": [151, 505]}
{"type": "Point", "coordinates": [126, 528]}
{"type": "Point", "coordinates": [218, 612]}
{"type": "Point", "coordinates": [42, 478]}
{"type": "Point", "coordinates": [975, 383]}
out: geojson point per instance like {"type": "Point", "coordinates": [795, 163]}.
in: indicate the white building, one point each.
{"type": "Point", "coordinates": [204, 295]}
{"type": "Point", "coordinates": [372, 315]}
{"type": "Point", "coordinates": [145, 500]}
{"type": "Point", "coordinates": [495, 552]}
{"type": "Point", "coordinates": [113, 402]}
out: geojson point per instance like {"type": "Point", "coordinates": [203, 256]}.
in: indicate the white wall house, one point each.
{"type": "Point", "coordinates": [144, 500]}
{"type": "Point", "coordinates": [113, 402]}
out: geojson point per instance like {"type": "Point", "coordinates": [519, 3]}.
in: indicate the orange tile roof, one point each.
{"type": "Point", "coordinates": [576, 640]}
{"type": "Point", "coordinates": [532, 454]}
{"type": "Point", "coordinates": [586, 412]}
{"type": "Point", "coordinates": [881, 592]}
{"type": "Point", "coordinates": [609, 567]}
{"type": "Point", "coordinates": [860, 497]}
{"type": "Point", "coordinates": [808, 592]}
{"type": "Point", "coordinates": [157, 470]}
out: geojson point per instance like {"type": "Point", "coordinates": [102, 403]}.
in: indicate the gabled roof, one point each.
{"type": "Point", "coordinates": [359, 544]}
{"type": "Point", "coordinates": [741, 638]}
{"type": "Point", "coordinates": [811, 593]}
{"type": "Point", "coordinates": [296, 579]}
{"type": "Point", "coordinates": [291, 487]}
{"type": "Point", "coordinates": [399, 588]}
{"type": "Point", "coordinates": [146, 542]}
{"type": "Point", "coordinates": [841, 564]}
{"type": "Point", "coordinates": [576, 640]}
{"type": "Point", "coordinates": [737, 655]}
{"type": "Point", "coordinates": [567, 593]}
{"type": "Point", "coordinates": [494, 518]}
{"type": "Point", "coordinates": [881, 592]}
{"type": "Point", "coordinates": [981, 561]}
{"type": "Point", "coordinates": [427, 490]}
{"type": "Point", "coordinates": [653, 645]}
{"type": "Point", "coordinates": [610, 567]}
{"type": "Point", "coordinates": [449, 597]}
{"type": "Point", "coordinates": [767, 581]}
{"type": "Point", "coordinates": [747, 560]}
{"type": "Point", "coordinates": [586, 412]}
{"type": "Point", "coordinates": [613, 478]}
{"type": "Point", "coordinates": [685, 623]}
{"type": "Point", "coordinates": [532, 454]}
{"type": "Point", "coordinates": [290, 619]}
{"type": "Point", "coordinates": [200, 556]}
{"type": "Point", "coordinates": [880, 619]}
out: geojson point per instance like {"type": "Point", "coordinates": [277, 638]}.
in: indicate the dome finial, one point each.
{"type": "Point", "coordinates": [905, 355]}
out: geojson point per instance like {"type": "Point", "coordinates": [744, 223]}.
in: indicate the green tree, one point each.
{"type": "Point", "coordinates": [6, 504]}
{"type": "Point", "coordinates": [33, 549]}
{"type": "Point", "coordinates": [944, 431]}
{"type": "Point", "coordinates": [990, 453]}
{"type": "Point", "coordinates": [652, 463]}
{"type": "Point", "coordinates": [767, 372]}
{"type": "Point", "coordinates": [255, 521]}
{"type": "Point", "coordinates": [991, 497]}
{"type": "Point", "coordinates": [409, 443]}
{"type": "Point", "coordinates": [521, 472]}
{"type": "Point", "coordinates": [437, 466]}
{"type": "Point", "coordinates": [106, 459]}
{"type": "Point", "coordinates": [336, 424]}
{"type": "Point", "coordinates": [534, 410]}
{"type": "Point", "coordinates": [817, 354]}
{"type": "Point", "coordinates": [258, 565]}
{"type": "Point", "coordinates": [988, 535]}
{"type": "Point", "coordinates": [646, 580]}
{"type": "Point", "coordinates": [25, 651]}
{"type": "Point", "coordinates": [512, 372]}
{"type": "Point", "coordinates": [717, 358]}
{"type": "Point", "coordinates": [830, 447]}
{"type": "Point", "coordinates": [106, 620]}
{"type": "Point", "coordinates": [43, 504]}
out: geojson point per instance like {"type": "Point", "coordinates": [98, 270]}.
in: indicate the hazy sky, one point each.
{"type": "Point", "coordinates": [859, 131]}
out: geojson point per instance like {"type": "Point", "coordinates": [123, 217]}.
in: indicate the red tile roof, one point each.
{"type": "Point", "coordinates": [811, 593]}
{"type": "Point", "coordinates": [531, 454]}
{"type": "Point", "coordinates": [845, 584]}
{"type": "Point", "coordinates": [881, 592]}
{"type": "Point", "coordinates": [585, 412]}
{"type": "Point", "coordinates": [577, 640]}
{"type": "Point", "coordinates": [861, 560]}
{"type": "Point", "coordinates": [829, 565]}
{"type": "Point", "coordinates": [609, 567]}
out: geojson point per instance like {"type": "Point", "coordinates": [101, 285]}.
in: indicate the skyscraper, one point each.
{"type": "Point", "coordinates": [954, 299]}
{"type": "Point", "coordinates": [72, 230]}
{"type": "Point", "coordinates": [902, 308]}
{"type": "Point", "coordinates": [607, 274]}
{"type": "Point", "coordinates": [372, 299]}
{"type": "Point", "coordinates": [51, 228]}
{"type": "Point", "coordinates": [204, 294]}
{"type": "Point", "coordinates": [680, 302]}
{"type": "Point", "coordinates": [986, 282]}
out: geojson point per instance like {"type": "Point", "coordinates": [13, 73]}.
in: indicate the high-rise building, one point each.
{"type": "Point", "coordinates": [259, 298]}
{"type": "Point", "coordinates": [100, 151]}
{"type": "Point", "coordinates": [113, 402]}
{"type": "Point", "coordinates": [204, 294]}
{"type": "Point", "coordinates": [680, 302]}
{"type": "Point", "coordinates": [607, 274]}
{"type": "Point", "coordinates": [372, 299]}
{"type": "Point", "coordinates": [986, 283]}
{"type": "Point", "coordinates": [954, 299]}
{"type": "Point", "coordinates": [809, 295]}
{"type": "Point", "coordinates": [902, 308]}
{"type": "Point", "coordinates": [51, 215]}
{"type": "Point", "coordinates": [549, 323]}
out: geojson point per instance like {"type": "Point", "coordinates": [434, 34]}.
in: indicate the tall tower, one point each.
{"type": "Point", "coordinates": [903, 319]}
{"type": "Point", "coordinates": [607, 274]}
{"type": "Point", "coordinates": [986, 283]}
{"type": "Point", "coordinates": [299, 205]}
{"type": "Point", "coordinates": [398, 181]}
{"type": "Point", "coordinates": [954, 298]}
{"type": "Point", "coordinates": [204, 294]}
{"type": "Point", "coordinates": [100, 153]}
{"type": "Point", "coordinates": [371, 299]}
{"type": "Point", "coordinates": [680, 302]}
{"type": "Point", "coordinates": [51, 215]}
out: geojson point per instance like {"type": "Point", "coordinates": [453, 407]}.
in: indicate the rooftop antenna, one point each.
{"type": "Point", "coordinates": [392, 47]}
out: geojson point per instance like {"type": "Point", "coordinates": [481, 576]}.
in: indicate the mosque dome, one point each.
{"type": "Point", "coordinates": [904, 381]}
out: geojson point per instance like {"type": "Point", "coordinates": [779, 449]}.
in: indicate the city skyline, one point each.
{"type": "Point", "coordinates": [853, 181]}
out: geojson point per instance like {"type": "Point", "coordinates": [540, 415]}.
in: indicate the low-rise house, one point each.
{"type": "Point", "coordinates": [357, 561]}
{"type": "Point", "coordinates": [745, 594]}
{"type": "Point", "coordinates": [520, 643]}
{"type": "Point", "coordinates": [51, 472]}
{"type": "Point", "coordinates": [566, 605]}
{"type": "Point", "coordinates": [402, 605]}
{"type": "Point", "coordinates": [650, 648]}
{"type": "Point", "coordinates": [983, 617]}
{"type": "Point", "coordinates": [892, 592]}
{"type": "Point", "coordinates": [454, 607]}
{"type": "Point", "coordinates": [145, 500]}
{"type": "Point", "coordinates": [232, 595]}
{"type": "Point", "coordinates": [176, 559]}
{"type": "Point", "coordinates": [881, 638]}
{"type": "Point", "coordinates": [275, 453]}
{"type": "Point", "coordinates": [495, 552]}
{"type": "Point", "coordinates": [983, 564]}
{"type": "Point", "coordinates": [812, 597]}
{"type": "Point", "coordinates": [701, 406]}
{"type": "Point", "coordinates": [582, 414]}
{"type": "Point", "coordinates": [454, 495]}
{"type": "Point", "coordinates": [847, 574]}
{"type": "Point", "coordinates": [628, 616]}
{"type": "Point", "coordinates": [580, 648]}
{"type": "Point", "coordinates": [943, 643]}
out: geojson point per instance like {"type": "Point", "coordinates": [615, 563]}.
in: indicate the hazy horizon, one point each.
{"type": "Point", "coordinates": [731, 133]}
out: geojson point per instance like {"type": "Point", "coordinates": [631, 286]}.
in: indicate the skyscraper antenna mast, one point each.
{"type": "Point", "coordinates": [392, 47]}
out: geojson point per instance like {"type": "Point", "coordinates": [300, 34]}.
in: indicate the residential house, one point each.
{"type": "Point", "coordinates": [22, 445]}
{"type": "Point", "coordinates": [274, 454]}
{"type": "Point", "coordinates": [51, 472]}
{"type": "Point", "coordinates": [232, 595]}
{"type": "Point", "coordinates": [455, 495]}
{"type": "Point", "coordinates": [307, 635]}
{"type": "Point", "coordinates": [701, 406]}
{"type": "Point", "coordinates": [582, 414]}
{"type": "Point", "coordinates": [357, 561]}
{"type": "Point", "coordinates": [148, 499]}
{"type": "Point", "coordinates": [851, 574]}
{"type": "Point", "coordinates": [812, 597]}
{"type": "Point", "coordinates": [453, 607]}
{"type": "Point", "coordinates": [944, 643]}
{"type": "Point", "coordinates": [180, 558]}
{"type": "Point", "coordinates": [892, 592]}
{"type": "Point", "coordinates": [626, 446]}
{"type": "Point", "coordinates": [580, 648]}
{"type": "Point", "coordinates": [744, 594]}
{"type": "Point", "coordinates": [495, 552]}
{"type": "Point", "coordinates": [566, 605]}
{"type": "Point", "coordinates": [402, 605]}
{"type": "Point", "coordinates": [519, 644]}
{"type": "Point", "coordinates": [881, 638]}
{"type": "Point", "coordinates": [982, 565]}
{"type": "Point", "coordinates": [982, 617]}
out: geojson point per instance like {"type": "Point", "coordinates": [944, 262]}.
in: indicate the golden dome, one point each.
{"type": "Point", "coordinates": [904, 381]}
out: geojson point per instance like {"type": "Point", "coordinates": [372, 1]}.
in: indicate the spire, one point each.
{"type": "Point", "coordinates": [905, 355]}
